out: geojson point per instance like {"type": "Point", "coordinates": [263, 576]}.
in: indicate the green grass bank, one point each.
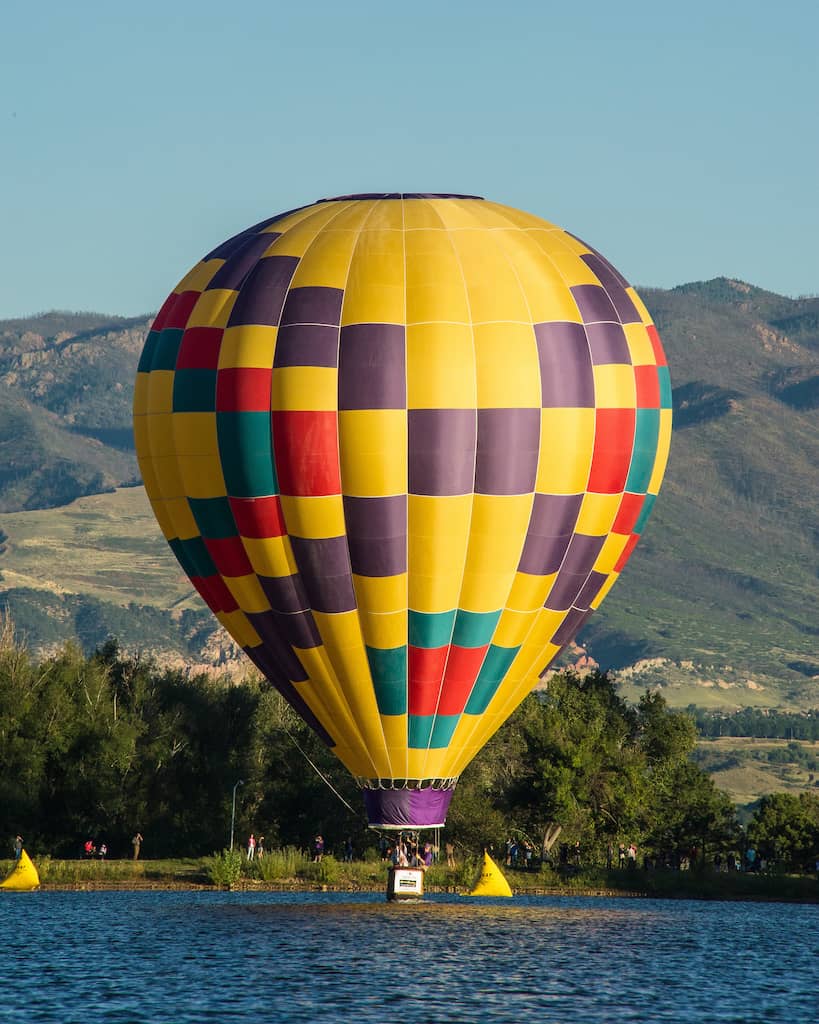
{"type": "Point", "coordinates": [292, 870]}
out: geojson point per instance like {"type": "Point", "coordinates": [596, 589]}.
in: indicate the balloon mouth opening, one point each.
{"type": "Point", "coordinates": [399, 195]}
{"type": "Point", "coordinates": [408, 808]}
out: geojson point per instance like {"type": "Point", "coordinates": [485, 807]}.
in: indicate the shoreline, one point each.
{"type": "Point", "coordinates": [296, 886]}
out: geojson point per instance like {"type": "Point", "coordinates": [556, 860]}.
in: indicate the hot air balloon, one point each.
{"type": "Point", "coordinates": [403, 444]}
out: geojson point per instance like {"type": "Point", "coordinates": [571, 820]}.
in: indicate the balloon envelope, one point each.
{"type": "Point", "coordinates": [403, 446]}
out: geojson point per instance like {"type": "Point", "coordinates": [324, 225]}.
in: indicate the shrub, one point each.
{"type": "Point", "coordinates": [327, 871]}
{"type": "Point", "coordinates": [225, 868]}
{"type": "Point", "coordinates": [278, 865]}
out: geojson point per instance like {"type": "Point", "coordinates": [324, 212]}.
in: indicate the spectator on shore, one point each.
{"type": "Point", "coordinates": [318, 848]}
{"type": "Point", "coordinates": [621, 855]}
{"type": "Point", "coordinates": [136, 842]}
{"type": "Point", "coordinates": [260, 847]}
{"type": "Point", "coordinates": [18, 847]}
{"type": "Point", "coordinates": [251, 846]}
{"type": "Point", "coordinates": [450, 855]}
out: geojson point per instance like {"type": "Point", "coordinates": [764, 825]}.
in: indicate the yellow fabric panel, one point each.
{"type": "Point", "coordinates": [351, 216]}
{"type": "Point", "coordinates": [167, 477]}
{"type": "Point", "coordinates": [248, 593]}
{"type": "Point", "coordinates": [381, 593]}
{"type": "Point", "coordinates": [663, 447]}
{"type": "Point", "coordinates": [507, 365]}
{"type": "Point", "coordinates": [285, 224]}
{"type": "Point", "coordinates": [307, 388]}
{"type": "Point", "coordinates": [597, 514]}
{"type": "Point", "coordinates": [614, 386]}
{"type": "Point", "coordinates": [436, 764]}
{"type": "Point", "coordinates": [373, 449]}
{"type": "Point", "coordinates": [528, 591]}
{"type": "Point", "coordinates": [149, 478]}
{"type": "Point", "coordinates": [202, 476]}
{"type": "Point", "coordinates": [541, 633]}
{"type": "Point", "coordinates": [325, 691]}
{"type": "Point", "coordinates": [341, 631]}
{"type": "Point", "coordinates": [297, 237]}
{"type": "Point", "coordinates": [160, 392]}
{"type": "Point", "coordinates": [384, 629]}
{"type": "Point", "coordinates": [456, 214]}
{"type": "Point", "coordinates": [639, 345]}
{"type": "Point", "coordinates": [496, 537]}
{"type": "Point", "coordinates": [514, 626]}
{"type": "Point", "coordinates": [320, 516]}
{"type": "Point", "coordinates": [612, 549]}
{"type": "Point", "coordinates": [546, 295]}
{"type": "Point", "coordinates": [327, 262]}
{"type": "Point", "coordinates": [163, 516]}
{"type": "Point", "coordinates": [141, 439]}
{"type": "Point", "coordinates": [420, 214]}
{"type": "Point", "coordinates": [240, 628]}
{"type": "Point", "coordinates": [141, 385]}
{"type": "Point", "coordinates": [344, 645]}
{"type": "Point", "coordinates": [598, 599]}
{"type": "Point", "coordinates": [566, 446]}
{"type": "Point", "coordinates": [435, 283]}
{"type": "Point", "coordinates": [249, 345]}
{"type": "Point", "coordinates": [640, 306]}
{"type": "Point", "coordinates": [573, 245]}
{"type": "Point", "coordinates": [194, 433]}
{"type": "Point", "coordinates": [521, 218]}
{"type": "Point", "coordinates": [493, 289]}
{"type": "Point", "coordinates": [213, 308]}
{"type": "Point", "coordinates": [387, 214]}
{"type": "Point", "coordinates": [160, 435]}
{"type": "Point", "coordinates": [180, 513]}
{"type": "Point", "coordinates": [394, 728]}
{"type": "Point", "coordinates": [270, 556]}
{"type": "Point", "coordinates": [375, 286]}
{"type": "Point", "coordinates": [438, 537]}
{"type": "Point", "coordinates": [573, 270]}
{"type": "Point", "coordinates": [199, 277]}
{"type": "Point", "coordinates": [441, 367]}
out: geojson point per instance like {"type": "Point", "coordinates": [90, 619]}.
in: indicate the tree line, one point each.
{"type": "Point", "coordinates": [761, 723]}
{"type": "Point", "coordinates": [110, 745]}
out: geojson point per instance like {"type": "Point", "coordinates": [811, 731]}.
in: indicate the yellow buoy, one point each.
{"type": "Point", "coordinates": [23, 876]}
{"type": "Point", "coordinates": [491, 881]}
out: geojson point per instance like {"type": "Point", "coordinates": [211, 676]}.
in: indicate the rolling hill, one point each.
{"type": "Point", "coordinates": [718, 604]}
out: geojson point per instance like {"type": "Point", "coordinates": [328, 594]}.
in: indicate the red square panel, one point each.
{"type": "Point", "coordinates": [229, 556]}
{"type": "Point", "coordinates": [462, 670]}
{"type": "Point", "coordinates": [631, 544]}
{"type": "Point", "coordinates": [426, 669]}
{"type": "Point", "coordinates": [162, 315]}
{"type": "Point", "coordinates": [305, 446]}
{"type": "Point", "coordinates": [180, 310]}
{"type": "Point", "coordinates": [627, 514]}
{"type": "Point", "coordinates": [656, 344]}
{"type": "Point", "coordinates": [613, 443]}
{"type": "Point", "coordinates": [215, 593]}
{"type": "Point", "coordinates": [648, 387]}
{"type": "Point", "coordinates": [243, 389]}
{"type": "Point", "coordinates": [258, 517]}
{"type": "Point", "coordinates": [200, 348]}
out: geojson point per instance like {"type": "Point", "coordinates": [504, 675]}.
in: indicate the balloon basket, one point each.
{"type": "Point", "coordinates": [405, 884]}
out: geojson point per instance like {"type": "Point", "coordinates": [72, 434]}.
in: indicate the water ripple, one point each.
{"type": "Point", "coordinates": [190, 958]}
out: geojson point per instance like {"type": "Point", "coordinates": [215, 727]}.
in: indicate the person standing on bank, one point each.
{"type": "Point", "coordinates": [136, 842]}
{"type": "Point", "coordinates": [18, 847]}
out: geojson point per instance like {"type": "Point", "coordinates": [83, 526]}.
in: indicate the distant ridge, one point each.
{"type": "Point", "coordinates": [723, 587]}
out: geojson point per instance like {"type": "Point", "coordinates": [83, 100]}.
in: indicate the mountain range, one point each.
{"type": "Point", "coordinates": [718, 604]}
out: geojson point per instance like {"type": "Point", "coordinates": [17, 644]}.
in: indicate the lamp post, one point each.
{"type": "Point", "coordinates": [240, 782]}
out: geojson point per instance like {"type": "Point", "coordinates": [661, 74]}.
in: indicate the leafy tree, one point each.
{"type": "Point", "coordinates": [785, 827]}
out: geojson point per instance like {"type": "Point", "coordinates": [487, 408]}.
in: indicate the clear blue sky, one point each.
{"type": "Point", "coordinates": [679, 139]}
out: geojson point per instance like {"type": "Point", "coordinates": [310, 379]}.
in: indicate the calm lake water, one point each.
{"type": "Point", "coordinates": [191, 957]}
